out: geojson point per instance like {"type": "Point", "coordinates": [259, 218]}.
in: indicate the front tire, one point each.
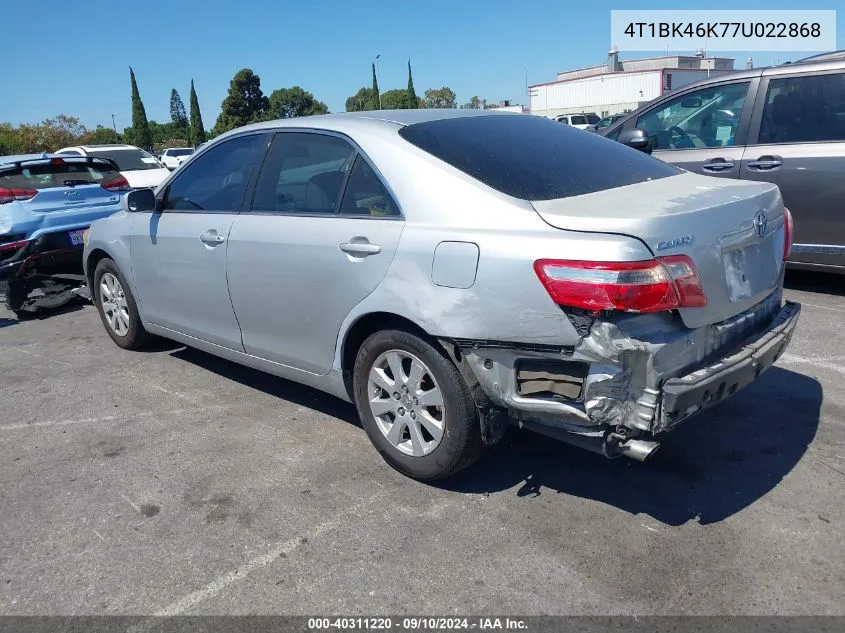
{"type": "Point", "coordinates": [116, 305]}
{"type": "Point", "coordinates": [415, 406]}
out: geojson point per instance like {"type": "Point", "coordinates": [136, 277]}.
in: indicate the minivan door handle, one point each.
{"type": "Point", "coordinates": [360, 247]}
{"type": "Point", "coordinates": [764, 163]}
{"type": "Point", "coordinates": [212, 238]}
{"type": "Point", "coordinates": [717, 165]}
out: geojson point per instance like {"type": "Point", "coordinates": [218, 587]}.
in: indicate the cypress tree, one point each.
{"type": "Point", "coordinates": [413, 101]}
{"type": "Point", "coordinates": [197, 131]}
{"type": "Point", "coordinates": [141, 134]}
{"type": "Point", "coordinates": [376, 105]}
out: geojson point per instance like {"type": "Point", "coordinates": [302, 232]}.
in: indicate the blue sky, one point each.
{"type": "Point", "coordinates": [75, 60]}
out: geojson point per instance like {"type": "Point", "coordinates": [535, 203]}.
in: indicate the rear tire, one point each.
{"type": "Point", "coordinates": [431, 430]}
{"type": "Point", "coordinates": [116, 305]}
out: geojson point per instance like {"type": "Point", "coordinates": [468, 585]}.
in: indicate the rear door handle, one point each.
{"type": "Point", "coordinates": [765, 162]}
{"type": "Point", "coordinates": [717, 165]}
{"type": "Point", "coordinates": [360, 248]}
{"type": "Point", "coordinates": [212, 238]}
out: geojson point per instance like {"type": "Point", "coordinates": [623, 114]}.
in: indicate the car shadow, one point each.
{"type": "Point", "coordinates": [709, 468]}
{"type": "Point", "coordinates": [271, 385]}
{"type": "Point", "coordinates": [813, 281]}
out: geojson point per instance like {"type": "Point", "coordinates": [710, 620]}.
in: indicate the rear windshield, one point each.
{"type": "Point", "coordinates": [180, 152]}
{"type": "Point", "coordinates": [532, 157]}
{"type": "Point", "coordinates": [129, 159]}
{"type": "Point", "coordinates": [49, 176]}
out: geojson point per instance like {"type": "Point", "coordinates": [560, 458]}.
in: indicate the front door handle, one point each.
{"type": "Point", "coordinates": [717, 165]}
{"type": "Point", "coordinates": [360, 247]}
{"type": "Point", "coordinates": [765, 162]}
{"type": "Point", "coordinates": [212, 238]}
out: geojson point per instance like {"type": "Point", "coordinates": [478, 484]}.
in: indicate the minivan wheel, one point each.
{"type": "Point", "coordinates": [415, 406]}
{"type": "Point", "coordinates": [116, 305]}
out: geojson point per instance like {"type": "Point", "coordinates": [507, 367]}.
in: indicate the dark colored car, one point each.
{"type": "Point", "coordinates": [782, 124]}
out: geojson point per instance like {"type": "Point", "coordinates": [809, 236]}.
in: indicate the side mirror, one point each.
{"type": "Point", "coordinates": [139, 201]}
{"type": "Point", "coordinates": [638, 139]}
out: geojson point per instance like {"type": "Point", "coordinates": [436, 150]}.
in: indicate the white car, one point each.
{"type": "Point", "coordinates": [140, 168]}
{"type": "Point", "coordinates": [172, 157]}
{"type": "Point", "coordinates": [581, 121]}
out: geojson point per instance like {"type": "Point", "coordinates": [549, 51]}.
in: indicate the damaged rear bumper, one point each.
{"type": "Point", "coordinates": [689, 394]}
{"type": "Point", "coordinates": [625, 381]}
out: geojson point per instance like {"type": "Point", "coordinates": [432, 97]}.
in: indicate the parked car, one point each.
{"type": "Point", "coordinates": [607, 121]}
{"type": "Point", "coordinates": [581, 121]}
{"type": "Point", "coordinates": [46, 203]}
{"type": "Point", "coordinates": [453, 271]}
{"type": "Point", "coordinates": [139, 167]}
{"type": "Point", "coordinates": [782, 124]}
{"type": "Point", "coordinates": [172, 157]}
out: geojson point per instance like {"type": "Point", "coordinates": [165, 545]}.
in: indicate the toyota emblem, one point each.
{"type": "Point", "coordinates": [761, 223]}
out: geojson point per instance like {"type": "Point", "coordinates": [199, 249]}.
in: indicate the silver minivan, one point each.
{"type": "Point", "coordinates": [783, 124]}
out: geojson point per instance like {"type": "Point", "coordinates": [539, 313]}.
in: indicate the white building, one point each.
{"type": "Point", "coordinates": [621, 86]}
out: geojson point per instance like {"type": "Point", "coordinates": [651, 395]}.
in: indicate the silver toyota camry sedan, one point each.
{"type": "Point", "coordinates": [454, 272]}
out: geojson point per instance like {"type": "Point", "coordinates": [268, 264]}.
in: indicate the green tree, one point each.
{"type": "Point", "coordinates": [440, 98]}
{"type": "Point", "coordinates": [475, 103]}
{"type": "Point", "coordinates": [10, 140]}
{"type": "Point", "coordinates": [140, 127]}
{"type": "Point", "coordinates": [394, 99]}
{"type": "Point", "coordinates": [376, 98]}
{"type": "Point", "coordinates": [178, 116]}
{"type": "Point", "coordinates": [101, 136]}
{"type": "Point", "coordinates": [412, 101]}
{"type": "Point", "coordinates": [244, 104]}
{"type": "Point", "coordinates": [287, 103]}
{"type": "Point", "coordinates": [197, 131]}
{"type": "Point", "coordinates": [361, 100]}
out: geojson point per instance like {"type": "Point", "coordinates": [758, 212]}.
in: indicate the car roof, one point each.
{"type": "Point", "coordinates": [106, 146]}
{"type": "Point", "coordinates": [14, 158]}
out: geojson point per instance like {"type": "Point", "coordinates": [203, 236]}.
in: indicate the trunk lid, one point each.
{"type": "Point", "coordinates": [732, 230]}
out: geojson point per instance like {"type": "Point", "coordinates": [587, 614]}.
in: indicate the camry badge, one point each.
{"type": "Point", "coordinates": [678, 241]}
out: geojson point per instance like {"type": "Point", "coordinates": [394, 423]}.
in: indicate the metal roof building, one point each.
{"type": "Point", "coordinates": [621, 86]}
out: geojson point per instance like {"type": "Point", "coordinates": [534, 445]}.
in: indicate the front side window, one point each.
{"type": "Point", "coordinates": [366, 194]}
{"type": "Point", "coordinates": [697, 120]}
{"type": "Point", "coordinates": [303, 173]}
{"type": "Point", "coordinates": [215, 181]}
{"type": "Point", "coordinates": [804, 109]}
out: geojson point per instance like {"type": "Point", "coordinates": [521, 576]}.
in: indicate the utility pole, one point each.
{"type": "Point", "coordinates": [113, 123]}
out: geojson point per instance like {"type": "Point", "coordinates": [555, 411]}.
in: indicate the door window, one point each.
{"type": "Point", "coordinates": [366, 194]}
{"type": "Point", "coordinates": [215, 181]}
{"type": "Point", "coordinates": [704, 118]}
{"type": "Point", "coordinates": [804, 109]}
{"type": "Point", "coordinates": [303, 173]}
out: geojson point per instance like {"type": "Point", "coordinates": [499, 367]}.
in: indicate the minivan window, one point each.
{"type": "Point", "coordinates": [303, 173]}
{"type": "Point", "coordinates": [704, 118]}
{"type": "Point", "coordinates": [532, 157]}
{"type": "Point", "coordinates": [216, 180]}
{"type": "Point", "coordinates": [804, 109]}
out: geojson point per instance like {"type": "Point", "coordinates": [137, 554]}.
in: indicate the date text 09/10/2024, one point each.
{"type": "Point", "coordinates": [417, 623]}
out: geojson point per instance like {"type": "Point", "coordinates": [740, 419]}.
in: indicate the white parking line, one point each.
{"type": "Point", "coordinates": [816, 305]}
{"type": "Point", "coordinates": [107, 418]}
{"type": "Point", "coordinates": [219, 584]}
{"type": "Point", "coordinates": [818, 362]}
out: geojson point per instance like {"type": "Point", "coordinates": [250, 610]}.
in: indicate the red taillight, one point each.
{"type": "Point", "coordinates": [788, 234]}
{"type": "Point", "coordinates": [117, 184]}
{"type": "Point", "coordinates": [10, 195]}
{"type": "Point", "coordinates": [654, 285]}
{"type": "Point", "coordinates": [13, 246]}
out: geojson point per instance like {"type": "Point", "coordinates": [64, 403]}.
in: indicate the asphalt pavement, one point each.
{"type": "Point", "coordinates": [172, 482]}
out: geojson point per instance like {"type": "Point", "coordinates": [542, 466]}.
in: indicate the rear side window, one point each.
{"type": "Point", "coordinates": [804, 109]}
{"type": "Point", "coordinates": [366, 194]}
{"type": "Point", "coordinates": [532, 157]}
{"type": "Point", "coordinates": [579, 120]}
{"type": "Point", "coordinates": [49, 175]}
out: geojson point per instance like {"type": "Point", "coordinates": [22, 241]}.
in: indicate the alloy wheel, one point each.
{"type": "Point", "coordinates": [113, 301]}
{"type": "Point", "coordinates": [407, 403]}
